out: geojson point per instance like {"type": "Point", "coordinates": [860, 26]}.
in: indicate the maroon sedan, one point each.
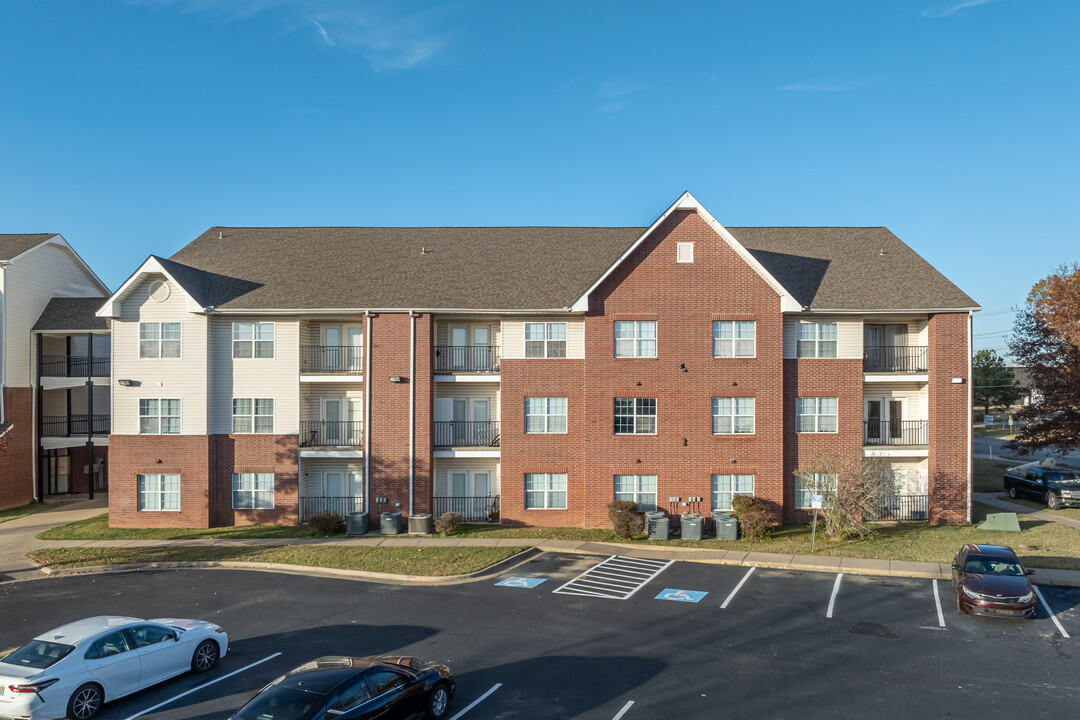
{"type": "Point", "coordinates": [989, 580]}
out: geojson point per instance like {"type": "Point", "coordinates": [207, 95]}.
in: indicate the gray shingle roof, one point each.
{"type": "Point", "coordinates": [13, 245]}
{"type": "Point", "coordinates": [72, 314]}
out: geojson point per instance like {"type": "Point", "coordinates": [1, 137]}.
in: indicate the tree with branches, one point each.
{"type": "Point", "coordinates": [992, 382]}
{"type": "Point", "coordinates": [853, 491]}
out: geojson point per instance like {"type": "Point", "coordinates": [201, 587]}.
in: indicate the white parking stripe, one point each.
{"type": "Point", "coordinates": [623, 711]}
{"type": "Point", "coordinates": [206, 684]}
{"type": "Point", "coordinates": [1052, 615]}
{"type": "Point", "coordinates": [737, 587]}
{"type": "Point", "coordinates": [835, 589]}
{"type": "Point", "coordinates": [937, 601]}
{"type": "Point", "coordinates": [477, 701]}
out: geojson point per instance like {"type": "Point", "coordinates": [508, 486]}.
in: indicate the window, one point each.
{"type": "Point", "coordinates": [816, 340]}
{"type": "Point", "coordinates": [684, 252]}
{"type": "Point", "coordinates": [635, 416]}
{"type": "Point", "coordinates": [252, 415]}
{"type": "Point", "coordinates": [351, 696]}
{"type": "Point", "coordinates": [637, 488]}
{"type": "Point", "coordinates": [112, 644]}
{"type": "Point", "coordinates": [732, 416]}
{"type": "Point", "coordinates": [635, 338]}
{"type": "Point", "coordinates": [813, 484]}
{"type": "Point", "coordinates": [545, 340]}
{"type": "Point", "coordinates": [159, 417]}
{"type": "Point", "coordinates": [545, 491]}
{"type": "Point", "coordinates": [733, 338]}
{"type": "Point", "coordinates": [253, 339]}
{"type": "Point", "coordinates": [725, 487]}
{"type": "Point", "coordinates": [159, 340]}
{"type": "Point", "coordinates": [815, 415]}
{"type": "Point", "coordinates": [253, 491]}
{"type": "Point", "coordinates": [383, 681]}
{"type": "Point", "coordinates": [144, 635]}
{"type": "Point", "coordinates": [545, 415]}
{"type": "Point", "coordinates": [159, 492]}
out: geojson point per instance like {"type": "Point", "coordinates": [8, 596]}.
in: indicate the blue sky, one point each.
{"type": "Point", "coordinates": [131, 127]}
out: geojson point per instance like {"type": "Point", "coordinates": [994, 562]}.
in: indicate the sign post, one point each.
{"type": "Point", "coordinates": [815, 503]}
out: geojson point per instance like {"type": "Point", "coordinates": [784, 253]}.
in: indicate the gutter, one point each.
{"type": "Point", "coordinates": [365, 311]}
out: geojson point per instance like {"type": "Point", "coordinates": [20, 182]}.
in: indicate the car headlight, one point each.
{"type": "Point", "coordinates": [972, 594]}
{"type": "Point", "coordinates": [1027, 598]}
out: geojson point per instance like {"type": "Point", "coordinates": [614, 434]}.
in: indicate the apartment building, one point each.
{"type": "Point", "coordinates": [54, 371]}
{"type": "Point", "coordinates": [531, 375]}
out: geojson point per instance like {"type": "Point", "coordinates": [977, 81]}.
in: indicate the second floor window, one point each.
{"type": "Point", "coordinates": [635, 416]}
{"type": "Point", "coordinates": [253, 415]}
{"type": "Point", "coordinates": [253, 339]}
{"type": "Point", "coordinates": [816, 340]}
{"type": "Point", "coordinates": [159, 339]}
{"type": "Point", "coordinates": [159, 417]}
{"type": "Point", "coordinates": [545, 340]}
{"type": "Point", "coordinates": [733, 338]}
{"type": "Point", "coordinates": [732, 416]}
{"type": "Point", "coordinates": [635, 338]}
{"type": "Point", "coordinates": [545, 415]}
{"type": "Point", "coordinates": [815, 415]}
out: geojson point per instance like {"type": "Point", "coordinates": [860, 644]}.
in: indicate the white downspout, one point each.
{"type": "Point", "coordinates": [367, 412]}
{"type": "Point", "coordinates": [971, 399]}
{"type": "Point", "coordinates": [3, 337]}
{"type": "Point", "coordinates": [412, 406]}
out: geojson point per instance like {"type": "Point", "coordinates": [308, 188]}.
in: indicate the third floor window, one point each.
{"type": "Point", "coordinates": [545, 340]}
{"type": "Point", "coordinates": [816, 340]}
{"type": "Point", "coordinates": [635, 338]}
{"type": "Point", "coordinates": [159, 339]}
{"type": "Point", "coordinates": [734, 338]}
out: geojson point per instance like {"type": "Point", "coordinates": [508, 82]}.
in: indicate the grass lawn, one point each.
{"type": "Point", "coordinates": [97, 528]}
{"type": "Point", "coordinates": [1003, 433]}
{"type": "Point", "coordinates": [28, 509]}
{"type": "Point", "coordinates": [431, 561]}
{"type": "Point", "coordinates": [989, 475]}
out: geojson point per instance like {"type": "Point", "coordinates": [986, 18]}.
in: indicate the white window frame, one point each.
{"type": "Point", "coordinates": [542, 407]}
{"type": "Point", "coordinates": [158, 341]}
{"type": "Point", "coordinates": [737, 409]}
{"type": "Point", "coordinates": [684, 252]}
{"type": "Point", "coordinates": [722, 484]}
{"type": "Point", "coordinates": [253, 491]}
{"type": "Point", "coordinates": [549, 488]}
{"type": "Point", "coordinates": [548, 343]}
{"type": "Point", "coordinates": [733, 343]}
{"type": "Point", "coordinates": [819, 483]}
{"type": "Point", "coordinates": [158, 492]}
{"type": "Point", "coordinates": [809, 335]}
{"type": "Point", "coordinates": [817, 415]}
{"type": "Point", "coordinates": [255, 335]}
{"type": "Point", "coordinates": [638, 341]}
{"type": "Point", "coordinates": [638, 493]}
{"type": "Point", "coordinates": [637, 414]}
{"type": "Point", "coordinates": [158, 416]}
{"type": "Point", "coordinates": [253, 416]}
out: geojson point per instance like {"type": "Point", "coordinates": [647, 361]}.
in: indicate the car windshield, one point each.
{"type": "Point", "coordinates": [992, 566]}
{"type": "Point", "coordinates": [1061, 477]}
{"type": "Point", "coordinates": [278, 703]}
{"type": "Point", "coordinates": [38, 654]}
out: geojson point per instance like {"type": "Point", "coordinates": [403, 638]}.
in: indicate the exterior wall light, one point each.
{"type": "Point", "coordinates": [957, 381]}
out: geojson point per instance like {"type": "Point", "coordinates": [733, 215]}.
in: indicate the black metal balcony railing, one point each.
{"type": "Point", "coordinates": [312, 506]}
{"type": "Point", "coordinates": [335, 433]}
{"type": "Point", "coordinates": [331, 359]}
{"type": "Point", "coordinates": [466, 358]}
{"type": "Point", "coordinates": [466, 433]}
{"type": "Point", "coordinates": [895, 432]}
{"type": "Point", "coordinates": [896, 358]}
{"type": "Point", "coordinates": [903, 507]}
{"type": "Point", "coordinates": [73, 426]}
{"type": "Point", "coordinates": [72, 366]}
{"type": "Point", "coordinates": [473, 509]}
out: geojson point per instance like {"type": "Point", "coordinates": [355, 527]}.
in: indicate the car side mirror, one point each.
{"type": "Point", "coordinates": [1029, 572]}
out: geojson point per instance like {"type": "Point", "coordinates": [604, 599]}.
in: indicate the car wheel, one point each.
{"type": "Point", "coordinates": [438, 702]}
{"type": "Point", "coordinates": [1053, 501]}
{"type": "Point", "coordinates": [205, 657]}
{"type": "Point", "coordinates": [85, 702]}
{"type": "Point", "coordinates": [1012, 492]}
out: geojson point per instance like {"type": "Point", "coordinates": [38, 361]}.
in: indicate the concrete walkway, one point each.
{"type": "Point", "coordinates": [993, 500]}
{"type": "Point", "coordinates": [17, 537]}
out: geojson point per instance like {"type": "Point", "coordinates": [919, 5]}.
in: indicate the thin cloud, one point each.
{"type": "Point", "coordinates": [825, 86]}
{"type": "Point", "coordinates": [954, 8]}
{"type": "Point", "coordinates": [613, 97]}
{"type": "Point", "coordinates": [322, 32]}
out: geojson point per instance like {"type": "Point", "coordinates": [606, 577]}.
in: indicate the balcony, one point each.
{"type": "Point", "coordinates": [895, 359]}
{"type": "Point", "coordinates": [73, 426]}
{"type": "Point", "coordinates": [895, 432]}
{"type": "Point", "coordinates": [73, 366]}
{"type": "Point", "coordinates": [311, 506]}
{"type": "Point", "coordinates": [472, 509]}
{"type": "Point", "coordinates": [332, 359]}
{"type": "Point", "coordinates": [909, 508]}
{"type": "Point", "coordinates": [467, 358]}
{"type": "Point", "coordinates": [465, 433]}
{"type": "Point", "coordinates": [331, 433]}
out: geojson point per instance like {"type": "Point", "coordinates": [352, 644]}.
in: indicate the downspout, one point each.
{"type": "Point", "coordinates": [412, 407]}
{"type": "Point", "coordinates": [3, 337]}
{"type": "Point", "coordinates": [367, 412]}
{"type": "Point", "coordinates": [970, 399]}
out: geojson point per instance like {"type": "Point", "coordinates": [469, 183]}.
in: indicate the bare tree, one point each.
{"type": "Point", "coordinates": [853, 491]}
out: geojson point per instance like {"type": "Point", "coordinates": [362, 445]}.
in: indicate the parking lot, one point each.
{"type": "Point", "coordinates": [570, 636]}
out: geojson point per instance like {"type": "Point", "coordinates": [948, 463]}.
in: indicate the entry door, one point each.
{"type": "Point", "coordinates": [874, 419]}
{"type": "Point", "coordinates": [63, 473]}
{"type": "Point", "coordinates": [354, 351]}
{"type": "Point", "coordinates": [332, 425]}
{"type": "Point", "coordinates": [481, 485]}
{"type": "Point", "coordinates": [482, 348]}
{"type": "Point", "coordinates": [896, 418]}
{"type": "Point", "coordinates": [461, 425]}
{"type": "Point", "coordinates": [354, 486]}
{"type": "Point", "coordinates": [873, 347]}
{"type": "Point", "coordinates": [332, 348]}
{"type": "Point", "coordinates": [334, 483]}
{"type": "Point", "coordinates": [354, 428]}
{"type": "Point", "coordinates": [459, 350]}
{"type": "Point", "coordinates": [481, 412]}
{"type": "Point", "coordinates": [459, 484]}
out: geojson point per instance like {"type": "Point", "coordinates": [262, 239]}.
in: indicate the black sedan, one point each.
{"type": "Point", "coordinates": [348, 688]}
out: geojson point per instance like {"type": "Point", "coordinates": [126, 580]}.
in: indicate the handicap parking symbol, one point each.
{"type": "Point", "coordinates": [519, 582]}
{"type": "Point", "coordinates": [690, 596]}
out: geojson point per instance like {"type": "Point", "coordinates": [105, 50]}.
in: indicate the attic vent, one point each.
{"type": "Point", "coordinates": [159, 291]}
{"type": "Point", "coordinates": [883, 252]}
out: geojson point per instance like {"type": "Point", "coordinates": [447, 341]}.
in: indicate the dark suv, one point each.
{"type": "Point", "coordinates": [989, 580]}
{"type": "Point", "coordinates": [1056, 487]}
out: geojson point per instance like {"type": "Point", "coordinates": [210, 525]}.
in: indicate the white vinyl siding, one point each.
{"type": "Point", "coordinates": [849, 335]}
{"type": "Point", "coordinates": [733, 416]}
{"type": "Point", "coordinates": [545, 415]}
{"type": "Point", "coordinates": [159, 493]}
{"type": "Point", "coordinates": [635, 338]}
{"type": "Point", "coordinates": [810, 484]}
{"type": "Point", "coordinates": [513, 337]}
{"type": "Point", "coordinates": [545, 491]}
{"type": "Point", "coordinates": [275, 378]}
{"type": "Point", "coordinates": [726, 487]}
{"type": "Point", "coordinates": [637, 488]}
{"type": "Point", "coordinates": [815, 414]}
{"type": "Point", "coordinates": [734, 338]}
{"type": "Point", "coordinates": [253, 491]}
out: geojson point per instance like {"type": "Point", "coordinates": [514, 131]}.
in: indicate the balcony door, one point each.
{"type": "Point", "coordinates": [342, 421]}
{"type": "Point", "coordinates": [346, 485]}
{"type": "Point", "coordinates": [470, 483]}
{"type": "Point", "coordinates": [472, 421]}
{"type": "Point", "coordinates": [884, 419]}
{"type": "Point", "coordinates": [343, 348]}
{"type": "Point", "coordinates": [470, 347]}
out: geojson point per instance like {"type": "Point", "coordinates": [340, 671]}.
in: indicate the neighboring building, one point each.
{"type": "Point", "coordinates": [531, 375]}
{"type": "Point", "coordinates": [35, 269]}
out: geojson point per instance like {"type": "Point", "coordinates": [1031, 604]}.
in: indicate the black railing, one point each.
{"type": "Point", "coordinates": [72, 366]}
{"type": "Point", "coordinates": [331, 359]}
{"type": "Point", "coordinates": [335, 433]}
{"type": "Point", "coordinates": [914, 508]}
{"type": "Point", "coordinates": [311, 506]}
{"type": "Point", "coordinates": [466, 358]}
{"type": "Point", "coordinates": [895, 432]}
{"type": "Point", "coordinates": [74, 426]}
{"type": "Point", "coordinates": [466, 433]}
{"type": "Point", "coordinates": [473, 509]}
{"type": "Point", "coordinates": [895, 358]}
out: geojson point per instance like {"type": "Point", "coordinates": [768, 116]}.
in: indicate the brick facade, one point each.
{"type": "Point", "coordinates": [949, 408]}
{"type": "Point", "coordinates": [17, 458]}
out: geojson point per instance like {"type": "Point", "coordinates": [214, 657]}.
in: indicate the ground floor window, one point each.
{"type": "Point", "coordinates": [725, 487]}
{"type": "Point", "coordinates": [545, 491]}
{"type": "Point", "coordinates": [253, 491]}
{"type": "Point", "coordinates": [159, 492]}
{"type": "Point", "coordinates": [809, 484]}
{"type": "Point", "coordinates": [637, 488]}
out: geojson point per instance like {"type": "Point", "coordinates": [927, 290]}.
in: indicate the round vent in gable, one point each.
{"type": "Point", "coordinates": [159, 291]}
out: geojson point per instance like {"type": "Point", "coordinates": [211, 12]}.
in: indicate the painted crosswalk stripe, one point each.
{"type": "Point", "coordinates": [616, 578]}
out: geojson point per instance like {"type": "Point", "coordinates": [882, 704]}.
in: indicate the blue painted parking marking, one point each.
{"type": "Point", "coordinates": [690, 596]}
{"type": "Point", "coordinates": [521, 582]}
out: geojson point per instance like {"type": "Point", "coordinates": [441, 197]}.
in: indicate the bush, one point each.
{"type": "Point", "coordinates": [754, 515]}
{"type": "Point", "coordinates": [327, 524]}
{"type": "Point", "coordinates": [625, 518]}
{"type": "Point", "coordinates": [447, 522]}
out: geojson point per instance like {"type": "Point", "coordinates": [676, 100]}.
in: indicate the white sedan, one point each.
{"type": "Point", "coordinates": [75, 669]}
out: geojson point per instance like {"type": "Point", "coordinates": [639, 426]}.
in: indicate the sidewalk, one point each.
{"type": "Point", "coordinates": [17, 538]}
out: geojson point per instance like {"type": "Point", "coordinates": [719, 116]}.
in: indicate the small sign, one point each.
{"type": "Point", "coordinates": [690, 596]}
{"type": "Point", "coordinates": [988, 419]}
{"type": "Point", "coordinates": [521, 582]}
{"type": "Point", "coordinates": [815, 502]}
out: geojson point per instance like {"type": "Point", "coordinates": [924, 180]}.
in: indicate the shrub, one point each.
{"type": "Point", "coordinates": [327, 524]}
{"type": "Point", "coordinates": [447, 522]}
{"type": "Point", "coordinates": [625, 518]}
{"type": "Point", "coordinates": [754, 515]}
